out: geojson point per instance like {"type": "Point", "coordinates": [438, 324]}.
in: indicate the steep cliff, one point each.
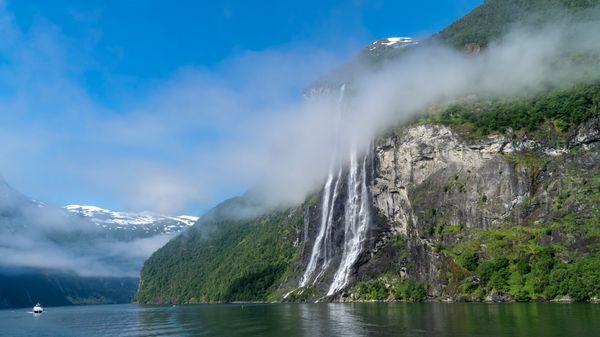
{"type": "Point", "coordinates": [495, 215]}
{"type": "Point", "coordinates": [477, 200]}
{"type": "Point", "coordinates": [464, 218]}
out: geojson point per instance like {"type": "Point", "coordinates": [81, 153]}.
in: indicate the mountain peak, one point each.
{"type": "Point", "coordinates": [85, 209]}
{"type": "Point", "coordinates": [392, 42]}
{"type": "Point", "coordinates": [145, 221]}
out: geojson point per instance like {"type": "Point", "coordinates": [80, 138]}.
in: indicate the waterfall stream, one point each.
{"type": "Point", "coordinates": [320, 251]}
{"type": "Point", "coordinates": [355, 221]}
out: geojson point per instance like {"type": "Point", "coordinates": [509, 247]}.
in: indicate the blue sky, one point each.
{"type": "Point", "coordinates": [141, 104]}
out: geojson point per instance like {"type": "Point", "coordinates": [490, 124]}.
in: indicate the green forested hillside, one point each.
{"type": "Point", "coordinates": [223, 259]}
{"type": "Point", "coordinates": [24, 288]}
{"type": "Point", "coordinates": [495, 17]}
{"type": "Point", "coordinates": [562, 109]}
{"type": "Point", "coordinates": [549, 248]}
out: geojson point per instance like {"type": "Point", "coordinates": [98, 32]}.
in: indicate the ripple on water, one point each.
{"type": "Point", "coordinates": [289, 320]}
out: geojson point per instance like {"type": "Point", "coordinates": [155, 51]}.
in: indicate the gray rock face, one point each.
{"type": "Point", "coordinates": [428, 166]}
{"type": "Point", "coordinates": [587, 134]}
{"type": "Point", "coordinates": [428, 177]}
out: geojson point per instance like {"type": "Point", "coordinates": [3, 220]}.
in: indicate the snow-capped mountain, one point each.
{"type": "Point", "coordinates": [347, 74]}
{"type": "Point", "coordinates": [148, 223]}
{"type": "Point", "coordinates": [76, 254]}
{"type": "Point", "coordinates": [393, 42]}
{"type": "Point", "coordinates": [389, 46]}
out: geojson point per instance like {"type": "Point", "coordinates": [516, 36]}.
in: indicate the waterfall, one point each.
{"type": "Point", "coordinates": [320, 251]}
{"type": "Point", "coordinates": [356, 221]}
{"type": "Point", "coordinates": [356, 217]}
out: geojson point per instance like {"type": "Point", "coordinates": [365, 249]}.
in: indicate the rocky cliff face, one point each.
{"type": "Point", "coordinates": [479, 183]}
{"type": "Point", "coordinates": [451, 217]}
{"type": "Point", "coordinates": [462, 207]}
{"type": "Point", "coordinates": [422, 167]}
{"type": "Point", "coordinates": [434, 190]}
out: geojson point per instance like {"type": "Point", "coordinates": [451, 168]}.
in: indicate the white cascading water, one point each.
{"type": "Point", "coordinates": [356, 221]}
{"type": "Point", "coordinates": [320, 250]}
{"type": "Point", "coordinates": [356, 218]}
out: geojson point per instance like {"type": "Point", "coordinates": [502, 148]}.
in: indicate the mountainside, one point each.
{"type": "Point", "coordinates": [479, 199]}
{"type": "Point", "coordinates": [23, 288]}
{"type": "Point", "coordinates": [494, 18]}
{"type": "Point", "coordinates": [81, 255]}
{"type": "Point", "coordinates": [138, 224]}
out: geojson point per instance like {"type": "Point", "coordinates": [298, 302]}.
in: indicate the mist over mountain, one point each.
{"type": "Point", "coordinates": [525, 58]}
{"type": "Point", "coordinates": [74, 255]}
{"type": "Point", "coordinates": [143, 224]}
{"type": "Point", "coordinates": [462, 168]}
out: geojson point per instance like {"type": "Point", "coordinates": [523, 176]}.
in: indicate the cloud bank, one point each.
{"type": "Point", "coordinates": [206, 134]}
{"type": "Point", "coordinates": [157, 149]}
{"type": "Point", "coordinates": [37, 236]}
{"type": "Point", "coordinates": [203, 135]}
{"type": "Point", "coordinates": [526, 61]}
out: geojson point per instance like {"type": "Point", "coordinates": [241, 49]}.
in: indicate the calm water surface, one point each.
{"type": "Point", "coordinates": [362, 319]}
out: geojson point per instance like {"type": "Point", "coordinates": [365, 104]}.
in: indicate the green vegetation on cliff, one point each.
{"type": "Point", "coordinates": [222, 259]}
{"type": "Point", "coordinates": [548, 246]}
{"type": "Point", "coordinates": [526, 270]}
{"type": "Point", "coordinates": [389, 288]}
{"type": "Point", "coordinates": [559, 108]}
{"type": "Point", "coordinates": [542, 258]}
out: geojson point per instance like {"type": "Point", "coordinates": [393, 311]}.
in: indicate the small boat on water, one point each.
{"type": "Point", "coordinates": [37, 309]}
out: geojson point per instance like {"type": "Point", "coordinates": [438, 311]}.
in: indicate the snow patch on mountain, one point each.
{"type": "Point", "coordinates": [392, 42]}
{"type": "Point", "coordinates": [145, 221]}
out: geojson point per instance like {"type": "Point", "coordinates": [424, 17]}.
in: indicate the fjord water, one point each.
{"type": "Point", "coordinates": [359, 319]}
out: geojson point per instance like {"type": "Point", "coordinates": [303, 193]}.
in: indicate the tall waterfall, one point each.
{"type": "Point", "coordinates": [354, 223]}
{"type": "Point", "coordinates": [320, 249]}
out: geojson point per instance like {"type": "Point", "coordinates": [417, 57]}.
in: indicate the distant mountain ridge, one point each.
{"type": "Point", "coordinates": [345, 74]}
{"type": "Point", "coordinates": [74, 255]}
{"type": "Point", "coordinates": [143, 222]}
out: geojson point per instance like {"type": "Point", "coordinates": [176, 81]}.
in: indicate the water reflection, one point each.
{"type": "Point", "coordinates": [289, 320]}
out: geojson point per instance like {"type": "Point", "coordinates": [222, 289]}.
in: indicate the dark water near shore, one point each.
{"type": "Point", "coordinates": [360, 319]}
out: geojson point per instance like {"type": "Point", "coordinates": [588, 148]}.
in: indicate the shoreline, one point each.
{"type": "Point", "coordinates": [446, 301]}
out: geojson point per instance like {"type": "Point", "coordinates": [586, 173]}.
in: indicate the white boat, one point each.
{"type": "Point", "coordinates": [38, 309]}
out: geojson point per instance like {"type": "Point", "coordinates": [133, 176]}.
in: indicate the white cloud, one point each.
{"type": "Point", "coordinates": [242, 124]}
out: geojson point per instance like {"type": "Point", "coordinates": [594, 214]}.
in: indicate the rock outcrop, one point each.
{"type": "Point", "coordinates": [429, 178]}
